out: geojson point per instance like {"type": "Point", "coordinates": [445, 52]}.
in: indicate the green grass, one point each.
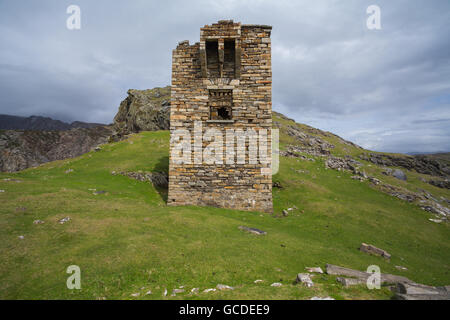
{"type": "Point", "coordinates": [128, 240]}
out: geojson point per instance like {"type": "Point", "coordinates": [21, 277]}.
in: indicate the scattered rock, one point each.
{"type": "Point", "coordinates": [399, 174]}
{"type": "Point", "coordinates": [398, 192]}
{"type": "Point", "coordinates": [305, 279]}
{"type": "Point", "coordinates": [314, 269]}
{"type": "Point", "coordinates": [347, 282]}
{"type": "Point", "coordinates": [276, 284]}
{"type": "Point", "coordinates": [224, 287]}
{"type": "Point", "coordinates": [435, 207]}
{"type": "Point", "coordinates": [135, 294]}
{"type": "Point", "coordinates": [309, 144]}
{"type": "Point", "coordinates": [258, 281]}
{"type": "Point", "coordinates": [420, 163]}
{"type": "Point", "coordinates": [435, 220]}
{"type": "Point", "coordinates": [165, 293]}
{"type": "Point", "coordinates": [252, 230]}
{"type": "Point", "coordinates": [209, 290]}
{"type": "Point", "coordinates": [97, 149]}
{"type": "Point", "coordinates": [68, 171]}
{"type": "Point", "coordinates": [368, 248]}
{"type": "Point", "coordinates": [401, 296]}
{"type": "Point", "coordinates": [415, 288]}
{"type": "Point", "coordinates": [401, 268]}
{"type": "Point", "coordinates": [277, 184]}
{"type": "Point", "coordinates": [99, 192]}
{"type": "Point", "coordinates": [385, 278]}
{"type": "Point", "coordinates": [38, 222]}
{"type": "Point", "coordinates": [194, 290]}
{"type": "Point", "coordinates": [340, 164]}
{"type": "Point", "coordinates": [175, 291]}
{"type": "Point", "coordinates": [285, 213]}
{"type": "Point", "coordinates": [1, 190]}
{"type": "Point", "coordinates": [149, 292]}
{"type": "Point", "coordinates": [64, 220]}
{"type": "Point", "coordinates": [12, 180]}
{"type": "Point", "coordinates": [158, 179]}
{"type": "Point", "coordinates": [21, 237]}
{"type": "Point", "coordinates": [444, 184]}
{"type": "Point", "coordinates": [319, 298]}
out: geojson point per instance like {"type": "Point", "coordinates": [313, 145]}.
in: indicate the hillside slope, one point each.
{"type": "Point", "coordinates": [127, 242]}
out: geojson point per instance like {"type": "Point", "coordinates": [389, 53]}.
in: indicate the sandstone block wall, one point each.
{"type": "Point", "coordinates": [223, 82]}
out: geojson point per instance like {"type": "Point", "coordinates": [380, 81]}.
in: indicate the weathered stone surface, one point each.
{"type": "Point", "coordinates": [445, 184]}
{"type": "Point", "coordinates": [421, 163]}
{"type": "Point", "coordinates": [339, 164]}
{"type": "Point", "coordinates": [158, 179]}
{"type": "Point", "coordinates": [194, 290]}
{"type": "Point", "coordinates": [368, 248]}
{"type": "Point", "coordinates": [223, 82]}
{"type": "Point", "coordinates": [314, 269]}
{"type": "Point", "coordinates": [23, 149]}
{"type": "Point", "coordinates": [224, 287]}
{"type": "Point", "coordinates": [415, 288]}
{"type": "Point", "coordinates": [401, 268]}
{"type": "Point", "coordinates": [399, 174]}
{"type": "Point", "coordinates": [175, 291]}
{"type": "Point", "coordinates": [305, 279]}
{"type": "Point", "coordinates": [143, 110]}
{"type": "Point", "coordinates": [64, 220]}
{"type": "Point", "coordinates": [385, 278]}
{"type": "Point", "coordinates": [252, 230]}
{"type": "Point", "coordinates": [348, 282]}
{"type": "Point", "coordinates": [276, 284]}
{"type": "Point", "coordinates": [402, 296]}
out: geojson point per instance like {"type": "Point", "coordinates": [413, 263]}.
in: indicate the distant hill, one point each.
{"type": "Point", "coordinates": [9, 122]}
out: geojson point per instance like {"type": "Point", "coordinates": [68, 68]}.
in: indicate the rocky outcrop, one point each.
{"type": "Point", "coordinates": [339, 164]}
{"type": "Point", "coordinates": [8, 122]}
{"type": "Point", "coordinates": [23, 149]}
{"type": "Point", "coordinates": [143, 110]}
{"type": "Point", "coordinates": [420, 164]}
{"type": "Point", "coordinates": [444, 184]}
{"type": "Point", "coordinates": [307, 143]}
{"type": "Point", "coordinates": [158, 179]}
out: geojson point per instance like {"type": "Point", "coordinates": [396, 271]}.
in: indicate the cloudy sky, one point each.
{"type": "Point", "coordinates": [387, 90]}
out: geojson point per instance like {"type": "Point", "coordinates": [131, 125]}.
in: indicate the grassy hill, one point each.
{"type": "Point", "coordinates": [127, 241]}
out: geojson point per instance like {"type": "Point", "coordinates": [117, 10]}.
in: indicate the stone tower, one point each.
{"type": "Point", "coordinates": [221, 97]}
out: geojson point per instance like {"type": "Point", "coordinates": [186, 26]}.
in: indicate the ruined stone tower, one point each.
{"type": "Point", "coordinates": [223, 84]}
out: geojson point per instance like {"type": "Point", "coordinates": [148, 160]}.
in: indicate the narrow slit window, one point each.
{"type": "Point", "coordinates": [212, 58]}
{"type": "Point", "coordinates": [229, 63]}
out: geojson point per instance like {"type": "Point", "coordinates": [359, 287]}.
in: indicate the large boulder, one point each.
{"type": "Point", "coordinates": [143, 110]}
